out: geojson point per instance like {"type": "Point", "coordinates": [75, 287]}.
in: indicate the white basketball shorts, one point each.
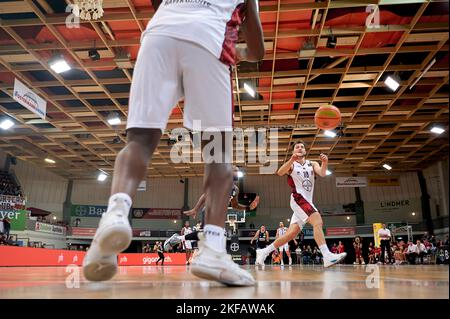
{"type": "Point", "coordinates": [302, 209]}
{"type": "Point", "coordinates": [168, 69]}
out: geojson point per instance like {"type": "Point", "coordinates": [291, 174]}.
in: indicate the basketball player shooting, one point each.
{"type": "Point", "coordinates": [301, 173]}
{"type": "Point", "coordinates": [187, 50]}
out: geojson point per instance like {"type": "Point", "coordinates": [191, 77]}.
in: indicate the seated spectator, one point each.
{"type": "Point", "coordinates": [411, 253]}
{"type": "Point", "coordinates": [276, 258]}
{"type": "Point", "coordinates": [399, 256]}
{"type": "Point", "coordinates": [421, 250]}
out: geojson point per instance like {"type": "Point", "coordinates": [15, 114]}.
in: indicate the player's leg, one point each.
{"type": "Point", "coordinates": [288, 253]}
{"type": "Point", "coordinates": [154, 91]}
{"type": "Point", "coordinates": [209, 98]}
{"type": "Point", "coordinates": [292, 232]}
{"type": "Point", "coordinates": [329, 258]}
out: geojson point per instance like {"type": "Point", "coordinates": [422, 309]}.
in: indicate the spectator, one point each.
{"type": "Point", "coordinates": [421, 250]}
{"type": "Point", "coordinates": [357, 246]}
{"type": "Point", "coordinates": [371, 253]}
{"type": "Point", "coordinates": [298, 253]}
{"type": "Point", "coordinates": [411, 253]}
{"type": "Point", "coordinates": [146, 249]}
{"type": "Point", "coordinates": [334, 249]}
{"type": "Point", "coordinates": [399, 257]}
{"type": "Point", "coordinates": [276, 258]}
{"type": "Point", "coordinates": [306, 254]}
{"type": "Point", "coordinates": [6, 227]}
{"type": "Point", "coordinates": [446, 241]}
{"type": "Point", "coordinates": [340, 248]}
{"type": "Point", "coordinates": [385, 242]}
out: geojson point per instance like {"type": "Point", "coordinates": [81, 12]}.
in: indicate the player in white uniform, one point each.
{"type": "Point", "coordinates": [187, 50]}
{"type": "Point", "coordinates": [281, 231]}
{"type": "Point", "coordinates": [187, 244]}
{"type": "Point", "coordinates": [301, 174]}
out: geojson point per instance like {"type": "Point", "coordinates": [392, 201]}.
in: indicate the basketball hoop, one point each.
{"type": "Point", "coordinates": [231, 220]}
{"type": "Point", "coordinates": [90, 9]}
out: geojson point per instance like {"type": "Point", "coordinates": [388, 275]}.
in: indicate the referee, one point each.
{"type": "Point", "coordinates": [385, 242]}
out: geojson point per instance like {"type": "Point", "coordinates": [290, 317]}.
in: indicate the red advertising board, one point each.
{"type": "Point", "coordinates": [27, 256]}
{"type": "Point", "coordinates": [150, 259]}
{"type": "Point", "coordinates": [340, 231]}
{"type": "Point", "coordinates": [81, 231]}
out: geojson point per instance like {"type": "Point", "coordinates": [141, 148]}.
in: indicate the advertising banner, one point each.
{"type": "Point", "coordinates": [18, 218]}
{"type": "Point", "coordinates": [48, 228]}
{"type": "Point", "coordinates": [87, 210]}
{"type": "Point", "coordinates": [403, 206]}
{"type": "Point", "coordinates": [11, 202]}
{"type": "Point", "coordinates": [29, 99]}
{"type": "Point", "coordinates": [26, 256]}
{"type": "Point", "coordinates": [341, 231]}
{"type": "Point", "coordinates": [384, 181]}
{"type": "Point", "coordinates": [351, 181]}
{"type": "Point", "coordinates": [150, 259]}
{"type": "Point", "coordinates": [83, 231]}
{"type": "Point", "coordinates": [156, 213]}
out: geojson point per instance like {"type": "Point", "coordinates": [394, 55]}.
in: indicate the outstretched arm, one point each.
{"type": "Point", "coordinates": [254, 237]}
{"type": "Point", "coordinates": [252, 33]}
{"type": "Point", "coordinates": [200, 204]}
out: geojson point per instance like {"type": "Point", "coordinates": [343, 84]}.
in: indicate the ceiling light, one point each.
{"type": "Point", "coordinates": [437, 130]}
{"type": "Point", "coordinates": [249, 90]}
{"type": "Point", "coordinates": [388, 167]}
{"type": "Point", "coordinates": [392, 83]}
{"type": "Point", "coordinates": [50, 161]}
{"type": "Point", "coordinates": [348, 217]}
{"type": "Point", "coordinates": [114, 119]}
{"type": "Point", "coordinates": [94, 55]}
{"type": "Point", "coordinates": [6, 124]}
{"type": "Point", "coordinates": [328, 173]}
{"type": "Point", "coordinates": [414, 214]}
{"type": "Point", "coordinates": [330, 133]}
{"type": "Point", "coordinates": [102, 177]}
{"type": "Point", "coordinates": [58, 64]}
{"type": "Point", "coordinates": [54, 217]}
{"type": "Point", "coordinates": [240, 174]}
{"type": "Point", "coordinates": [331, 42]}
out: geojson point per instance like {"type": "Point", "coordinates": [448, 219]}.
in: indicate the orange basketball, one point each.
{"type": "Point", "coordinates": [327, 117]}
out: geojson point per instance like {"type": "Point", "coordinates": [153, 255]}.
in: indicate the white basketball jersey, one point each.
{"type": "Point", "coordinates": [213, 24]}
{"type": "Point", "coordinates": [281, 231]}
{"type": "Point", "coordinates": [301, 180]}
{"type": "Point", "coordinates": [187, 230]}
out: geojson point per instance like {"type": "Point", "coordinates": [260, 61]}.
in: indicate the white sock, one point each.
{"type": "Point", "coordinates": [215, 237]}
{"type": "Point", "coordinates": [324, 250]}
{"type": "Point", "coordinates": [120, 198]}
{"type": "Point", "coordinates": [269, 248]}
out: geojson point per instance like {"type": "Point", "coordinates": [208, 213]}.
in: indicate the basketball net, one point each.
{"type": "Point", "coordinates": [90, 9]}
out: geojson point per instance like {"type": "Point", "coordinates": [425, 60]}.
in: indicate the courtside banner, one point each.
{"type": "Point", "coordinates": [150, 259]}
{"type": "Point", "coordinates": [29, 99]}
{"type": "Point", "coordinates": [340, 231]}
{"type": "Point", "coordinates": [351, 181]}
{"type": "Point", "coordinates": [26, 256]}
{"type": "Point", "coordinates": [384, 181]}
{"type": "Point", "coordinates": [83, 231]}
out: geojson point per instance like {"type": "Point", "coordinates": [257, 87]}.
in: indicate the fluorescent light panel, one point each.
{"type": "Point", "coordinates": [392, 83]}
{"type": "Point", "coordinates": [6, 124]}
{"type": "Point", "coordinates": [388, 167]}
{"type": "Point", "coordinates": [249, 90]}
{"type": "Point", "coordinates": [437, 130]}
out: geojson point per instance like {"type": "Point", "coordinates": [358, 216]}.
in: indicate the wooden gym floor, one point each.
{"type": "Point", "coordinates": [274, 282]}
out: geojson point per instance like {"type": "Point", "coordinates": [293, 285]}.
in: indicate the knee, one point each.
{"type": "Point", "coordinates": [144, 137]}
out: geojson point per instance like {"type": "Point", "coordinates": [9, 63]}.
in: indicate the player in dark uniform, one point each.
{"type": "Point", "coordinates": [200, 207]}
{"type": "Point", "coordinates": [261, 237]}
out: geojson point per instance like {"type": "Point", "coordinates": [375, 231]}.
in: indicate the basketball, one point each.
{"type": "Point", "coordinates": [327, 117]}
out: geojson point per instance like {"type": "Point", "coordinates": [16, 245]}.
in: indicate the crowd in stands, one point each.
{"type": "Point", "coordinates": [8, 186]}
{"type": "Point", "coordinates": [409, 252]}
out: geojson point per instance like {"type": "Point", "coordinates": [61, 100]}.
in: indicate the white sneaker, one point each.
{"type": "Point", "coordinates": [213, 265]}
{"type": "Point", "coordinates": [112, 237]}
{"type": "Point", "coordinates": [290, 262]}
{"type": "Point", "coordinates": [354, 263]}
{"type": "Point", "coordinates": [261, 256]}
{"type": "Point", "coordinates": [97, 266]}
{"type": "Point", "coordinates": [172, 241]}
{"type": "Point", "coordinates": [333, 259]}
